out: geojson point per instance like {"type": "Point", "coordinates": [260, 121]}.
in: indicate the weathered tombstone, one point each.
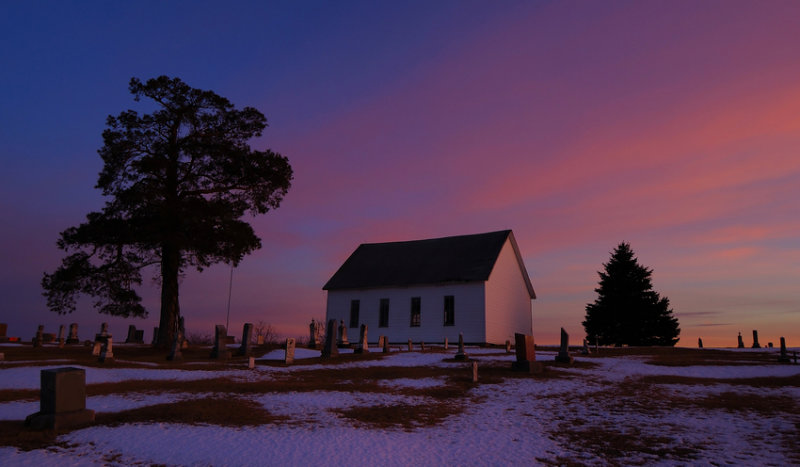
{"type": "Point", "coordinates": [96, 348]}
{"type": "Point", "coordinates": [61, 335]}
{"type": "Point", "coordinates": [410, 345]}
{"type": "Point", "coordinates": [62, 400]}
{"type": "Point", "coordinates": [756, 345]}
{"type": "Point", "coordinates": [313, 338]}
{"type": "Point", "coordinates": [446, 343]}
{"type": "Point", "coordinates": [381, 339]}
{"type": "Point", "coordinates": [741, 342]}
{"type": "Point", "coordinates": [251, 362]}
{"type": "Point", "coordinates": [474, 372]}
{"type": "Point", "coordinates": [104, 329]}
{"type": "Point", "coordinates": [563, 354]}
{"type": "Point", "coordinates": [106, 352]}
{"type": "Point", "coordinates": [38, 339]}
{"type": "Point", "coordinates": [329, 349]}
{"type": "Point", "coordinates": [3, 332]}
{"type": "Point", "coordinates": [72, 338]}
{"type": "Point", "coordinates": [699, 343]}
{"type": "Point", "coordinates": [385, 345]}
{"type": "Point", "coordinates": [343, 342]}
{"type": "Point", "coordinates": [769, 344]}
{"type": "Point", "coordinates": [247, 336]}
{"type": "Point", "coordinates": [784, 358]}
{"type": "Point", "coordinates": [155, 336]}
{"type": "Point", "coordinates": [260, 339]}
{"type": "Point", "coordinates": [289, 356]}
{"type": "Point", "coordinates": [220, 351]}
{"type": "Point", "coordinates": [363, 344]}
{"type": "Point", "coordinates": [422, 346]}
{"type": "Point", "coordinates": [525, 355]}
{"type": "Point", "coordinates": [131, 334]}
{"type": "Point", "coordinates": [461, 354]}
{"type": "Point", "coordinates": [508, 346]}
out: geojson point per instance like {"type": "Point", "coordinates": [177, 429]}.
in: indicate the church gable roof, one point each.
{"type": "Point", "coordinates": [460, 259]}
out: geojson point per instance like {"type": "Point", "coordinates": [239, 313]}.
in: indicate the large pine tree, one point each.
{"type": "Point", "coordinates": [627, 310]}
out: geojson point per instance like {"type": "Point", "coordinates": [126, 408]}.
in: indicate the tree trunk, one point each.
{"type": "Point", "coordinates": [170, 310]}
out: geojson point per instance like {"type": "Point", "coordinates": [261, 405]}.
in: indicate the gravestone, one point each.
{"type": "Point", "coordinates": [61, 335]}
{"type": "Point", "coordinates": [3, 332]}
{"type": "Point", "coordinates": [135, 336]}
{"type": "Point", "coordinates": [104, 329]}
{"type": "Point", "coordinates": [260, 339]}
{"type": "Point", "coordinates": [343, 342]}
{"type": "Point", "coordinates": [446, 343]}
{"type": "Point", "coordinates": [410, 345]}
{"type": "Point", "coordinates": [72, 338]}
{"type": "Point", "coordinates": [508, 346]}
{"type": "Point", "coordinates": [422, 346]}
{"type": "Point", "coordinates": [329, 349]}
{"type": "Point", "coordinates": [784, 358]}
{"type": "Point", "coordinates": [756, 345]}
{"type": "Point", "coordinates": [62, 400]}
{"type": "Point", "coordinates": [363, 344]}
{"type": "Point", "coordinates": [461, 354]}
{"type": "Point", "coordinates": [220, 351]}
{"type": "Point", "coordinates": [585, 349]}
{"type": "Point", "coordinates": [563, 354]}
{"type": "Point", "coordinates": [106, 351]}
{"type": "Point", "coordinates": [699, 343]}
{"type": "Point", "coordinates": [247, 336]}
{"type": "Point", "coordinates": [314, 331]}
{"type": "Point", "coordinates": [385, 345]}
{"type": "Point", "coordinates": [769, 344]}
{"type": "Point", "coordinates": [155, 336]}
{"type": "Point", "coordinates": [474, 372]}
{"type": "Point", "coordinates": [741, 342]}
{"type": "Point", "coordinates": [288, 357]}
{"type": "Point", "coordinates": [525, 355]}
{"type": "Point", "coordinates": [48, 337]}
{"type": "Point", "coordinates": [38, 339]}
{"type": "Point", "coordinates": [381, 340]}
{"type": "Point", "coordinates": [251, 362]}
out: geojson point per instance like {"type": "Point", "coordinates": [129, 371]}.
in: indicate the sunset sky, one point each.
{"type": "Point", "coordinates": [671, 125]}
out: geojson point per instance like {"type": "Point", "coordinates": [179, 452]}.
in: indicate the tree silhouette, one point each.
{"type": "Point", "coordinates": [627, 310]}
{"type": "Point", "coordinates": [179, 180]}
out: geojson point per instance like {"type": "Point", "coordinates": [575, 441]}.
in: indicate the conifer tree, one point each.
{"type": "Point", "coordinates": [627, 311]}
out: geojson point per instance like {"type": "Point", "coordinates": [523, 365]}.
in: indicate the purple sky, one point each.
{"type": "Point", "coordinates": [674, 126]}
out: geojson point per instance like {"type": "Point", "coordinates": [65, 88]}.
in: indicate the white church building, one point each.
{"type": "Point", "coordinates": [426, 290]}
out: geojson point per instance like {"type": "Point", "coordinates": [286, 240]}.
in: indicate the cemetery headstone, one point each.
{"type": "Point", "coordinates": [741, 342]}
{"type": "Point", "coordinates": [61, 335]}
{"type": "Point", "coordinates": [461, 354]}
{"type": "Point", "coordinates": [784, 358]}
{"type": "Point", "coordinates": [72, 338]}
{"type": "Point", "coordinates": [106, 351]}
{"type": "Point", "coordinates": [474, 372]}
{"type": "Point", "coordinates": [756, 345]}
{"type": "Point", "coordinates": [363, 344]}
{"type": "Point", "coordinates": [131, 334]}
{"type": "Point", "coordinates": [343, 341]}
{"type": "Point", "coordinates": [260, 339]}
{"type": "Point", "coordinates": [385, 345]}
{"type": "Point", "coordinates": [251, 362]}
{"type": "Point", "coordinates": [289, 356]}
{"type": "Point", "coordinates": [563, 354]}
{"type": "Point", "coordinates": [220, 350]}
{"type": "Point", "coordinates": [508, 346]}
{"type": "Point", "coordinates": [422, 346]}
{"type": "Point", "coordinates": [381, 339]}
{"type": "Point", "coordinates": [699, 343]}
{"type": "Point", "coordinates": [410, 345]}
{"type": "Point", "coordinates": [446, 343]}
{"type": "Point", "coordinates": [247, 336]}
{"type": "Point", "coordinates": [104, 329]}
{"type": "Point", "coordinates": [155, 336]}
{"type": "Point", "coordinates": [3, 332]}
{"type": "Point", "coordinates": [329, 349]}
{"type": "Point", "coordinates": [525, 355]}
{"type": "Point", "coordinates": [769, 344]}
{"type": "Point", "coordinates": [314, 331]}
{"type": "Point", "coordinates": [38, 339]}
{"type": "Point", "coordinates": [62, 400]}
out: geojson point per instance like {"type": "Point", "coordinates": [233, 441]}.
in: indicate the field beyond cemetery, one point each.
{"type": "Point", "coordinates": [616, 406]}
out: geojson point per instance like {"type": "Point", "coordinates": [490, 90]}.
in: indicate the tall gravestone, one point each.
{"type": "Point", "coordinates": [756, 345]}
{"type": "Point", "coordinates": [525, 355]}
{"type": "Point", "coordinates": [474, 372]}
{"type": "Point", "coordinates": [288, 357]}
{"type": "Point", "coordinates": [385, 345]}
{"type": "Point", "coordinates": [313, 338]}
{"type": "Point", "coordinates": [461, 354]}
{"type": "Point", "coordinates": [329, 349]}
{"type": "Point", "coordinates": [699, 343]}
{"type": "Point", "coordinates": [363, 344]}
{"type": "Point", "coordinates": [106, 351]}
{"type": "Point", "coordinates": [61, 335]}
{"type": "Point", "coordinates": [422, 346]}
{"type": "Point", "coordinates": [155, 336]}
{"type": "Point", "coordinates": [508, 346]}
{"type": "Point", "coordinates": [784, 357]}
{"type": "Point", "coordinates": [446, 343]}
{"type": "Point", "coordinates": [220, 350]}
{"type": "Point", "coordinates": [741, 342]}
{"type": "Point", "coordinates": [410, 345]}
{"type": "Point", "coordinates": [72, 338]}
{"type": "Point", "coordinates": [62, 400]}
{"type": "Point", "coordinates": [343, 341]}
{"type": "Point", "coordinates": [563, 353]}
{"type": "Point", "coordinates": [247, 336]}
{"type": "Point", "coordinates": [38, 339]}
{"type": "Point", "coordinates": [104, 329]}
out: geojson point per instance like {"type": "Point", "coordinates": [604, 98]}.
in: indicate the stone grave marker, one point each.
{"type": "Point", "coordinates": [769, 344]}
{"type": "Point", "coordinates": [247, 337]}
{"type": "Point", "coordinates": [508, 346]}
{"type": "Point", "coordinates": [756, 345]}
{"type": "Point", "coordinates": [380, 341]}
{"type": "Point", "coordinates": [410, 345]}
{"type": "Point", "coordinates": [525, 355]}
{"type": "Point", "coordinates": [61, 335]}
{"type": "Point", "coordinates": [251, 362]}
{"type": "Point", "coordinates": [62, 400]}
{"type": "Point", "coordinates": [72, 338]}
{"type": "Point", "coordinates": [343, 341]}
{"type": "Point", "coordinates": [3, 332]}
{"type": "Point", "coordinates": [699, 343]}
{"type": "Point", "coordinates": [741, 342]}
{"type": "Point", "coordinates": [446, 343]}
{"type": "Point", "coordinates": [422, 346]}
{"type": "Point", "coordinates": [220, 350]}
{"type": "Point", "coordinates": [461, 354]}
{"type": "Point", "coordinates": [363, 344]}
{"type": "Point", "coordinates": [385, 345]}
{"type": "Point", "coordinates": [329, 349]}
{"type": "Point", "coordinates": [474, 372]}
{"type": "Point", "coordinates": [288, 358]}
{"type": "Point", "coordinates": [104, 329]}
{"type": "Point", "coordinates": [106, 351]}
{"type": "Point", "coordinates": [313, 338]}
{"type": "Point", "coordinates": [260, 339]}
{"type": "Point", "coordinates": [563, 354]}
{"type": "Point", "coordinates": [585, 349]}
{"type": "Point", "coordinates": [784, 358]}
{"type": "Point", "coordinates": [38, 339]}
{"type": "Point", "coordinates": [155, 336]}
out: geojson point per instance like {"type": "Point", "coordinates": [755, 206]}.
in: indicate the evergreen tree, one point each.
{"type": "Point", "coordinates": [179, 180]}
{"type": "Point", "coordinates": [627, 310]}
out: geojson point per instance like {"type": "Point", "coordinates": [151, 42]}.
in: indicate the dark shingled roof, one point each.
{"type": "Point", "coordinates": [465, 258]}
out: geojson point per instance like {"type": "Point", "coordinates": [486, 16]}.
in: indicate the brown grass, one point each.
{"type": "Point", "coordinates": [223, 411]}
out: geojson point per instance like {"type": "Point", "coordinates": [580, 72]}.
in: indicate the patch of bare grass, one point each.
{"type": "Point", "coordinates": [223, 411]}
{"type": "Point", "coordinates": [405, 416]}
{"type": "Point", "coordinates": [615, 445]}
{"type": "Point", "coordinates": [759, 382]}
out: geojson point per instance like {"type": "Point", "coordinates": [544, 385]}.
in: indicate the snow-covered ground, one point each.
{"type": "Point", "coordinates": [519, 421]}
